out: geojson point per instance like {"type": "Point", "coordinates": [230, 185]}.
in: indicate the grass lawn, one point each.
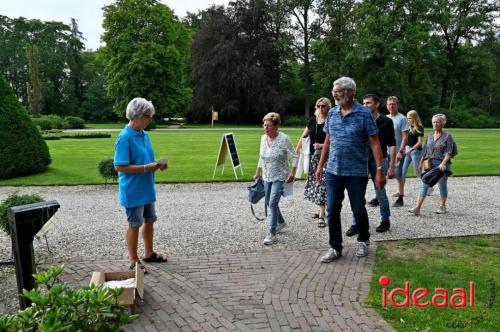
{"type": "Point", "coordinates": [448, 263]}
{"type": "Point", "coordinates": [192, 155]}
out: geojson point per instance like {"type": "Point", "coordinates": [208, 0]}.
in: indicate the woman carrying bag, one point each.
{"type": "Point", "coordinates": [439, 150]}
{"type": "Point", "coordinates": [275, 152]}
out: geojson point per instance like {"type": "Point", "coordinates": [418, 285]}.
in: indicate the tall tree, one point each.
{"type": "Point", "coordinates": [146, 54]}
{"type": "Point", "coordinates": [33, 84]}
{"type": "Point", "coordinates": [458, 21]}
{"type": "Point", "coordinates": [236, 63]}
{"type": "Point", "coordinates": [306, 28]}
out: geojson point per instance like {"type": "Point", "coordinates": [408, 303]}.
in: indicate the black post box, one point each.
{"type": "Point", "coordinates": [25, 221]}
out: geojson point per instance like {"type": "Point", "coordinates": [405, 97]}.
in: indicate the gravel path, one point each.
{"type": "Point", "coordinates": [215, 218]}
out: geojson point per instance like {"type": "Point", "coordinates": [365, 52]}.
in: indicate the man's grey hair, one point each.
{"type": "Point", "coordinates": [346, 82]}
{"type": "Point", "coordinates": [139, 107]}
{"type": "Point", "coordinates": [441, 117]}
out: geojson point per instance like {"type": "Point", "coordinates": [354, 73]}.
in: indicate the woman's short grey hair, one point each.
{"type": "Point", "coordinates": [139, 107]}
{"type": "Point", "coordinates": [346, 82]}
{"type": "Point", "coordinates": [441, 117]}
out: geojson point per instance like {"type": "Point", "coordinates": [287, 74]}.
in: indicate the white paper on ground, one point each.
{"type": "Point", "coordinates": [120, 283]}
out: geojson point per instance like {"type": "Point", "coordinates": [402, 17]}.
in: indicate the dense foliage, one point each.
{"type": "Point", "coordinates": [11, 201]}
{"type": "Point", "coordinates": [58, 307]}
{"type": "Point", "coordinates": [146, 55]}
{"type": "Point", "coordinates": [255, 56]}
{"type": "Point", "coordinates": [242, 79]}
{"type": "Point", "coordinates": [23, 150]}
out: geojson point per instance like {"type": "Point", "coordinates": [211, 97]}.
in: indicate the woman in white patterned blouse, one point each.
{"type": "Point", "coordinates": [275, 151]}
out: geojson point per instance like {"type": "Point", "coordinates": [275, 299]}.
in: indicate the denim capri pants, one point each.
{"type": "Point", "coordinates": [139, 214]}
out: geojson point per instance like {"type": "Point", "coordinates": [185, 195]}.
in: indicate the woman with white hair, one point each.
{"type": "Point", "coordinates": [439, 150]}
{"type": "Point", "coordinates": [315, 191]}
{"type": "Point", "coordinates": [135, 163]}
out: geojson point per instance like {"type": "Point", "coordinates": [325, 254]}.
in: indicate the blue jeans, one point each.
{"type": "Point", "coordinates": [381, 194]}
{"type": "Point", "coordinates": [414, 157]}
{"type": "Point", "coordinates": [139, 214]}
{"type": "Point", "coordinates": [356, 189]}
{"type": "Point", "coordinates": [442, 183]}
{"type": "Point", "coordinates": [274, 191]}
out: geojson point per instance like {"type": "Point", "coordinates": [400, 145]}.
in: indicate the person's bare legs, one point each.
{"type": "Point", "coordinates": [322, 211]}
{"type": "Point", "coordinates": [401, 187]}
{"type": "Point", "coordinates": [132, 238]}
{"type": "Point", "coordinates": [147, 231]}
{"type": "Point", "coordinates": [420, 201]}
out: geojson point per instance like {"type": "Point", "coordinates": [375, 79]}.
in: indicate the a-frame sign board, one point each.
{"type": "Point", "coordinates": [228, 144]}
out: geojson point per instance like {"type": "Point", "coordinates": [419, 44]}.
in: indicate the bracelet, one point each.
{"type": "Point", "coordinates": [144, 168]}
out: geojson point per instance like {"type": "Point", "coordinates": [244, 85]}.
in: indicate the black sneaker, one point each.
{"type": "Point", "coordinates": [373, 202]}
{"type": "Point", "coordinates": [399, 202]}
{"type": "Point", "coordinates": [383, 227]}
{"type": "Point", "coordinates": [353, 230]}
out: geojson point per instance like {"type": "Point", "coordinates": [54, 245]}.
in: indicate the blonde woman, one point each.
{"type": "Point", "coordinates": [413, 151]}
{"type": "Point", "coordinates": [275, 151]}
{"type": "Point", "coordinates": [315, 191]}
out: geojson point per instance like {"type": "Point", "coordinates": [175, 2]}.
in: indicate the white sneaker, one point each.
{"type": "Point", "coordinates": [270, 239]}
{"type": "Point", "coordinates": [330, 256]}
{"type": "Point", "coordinates": [396, 194]}
{"type": "Point", "coordinates": [281, 226]}
{"type": "Point", "coordinates": [414, 211]}
{"type": "Point", "coordinates": [441, 210]}
{"type": "Point", "coordinates": [362, 249]}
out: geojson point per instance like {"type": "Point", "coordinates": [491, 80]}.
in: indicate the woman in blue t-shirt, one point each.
{"type": "Point", "coordinates": [135, 163]}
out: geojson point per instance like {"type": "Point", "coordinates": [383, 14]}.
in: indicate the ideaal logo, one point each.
{"type": "Point", "coordinates": [419, 297]}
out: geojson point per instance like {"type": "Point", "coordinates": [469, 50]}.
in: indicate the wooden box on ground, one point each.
{"type": "Point", "coordinates": [129, 295]}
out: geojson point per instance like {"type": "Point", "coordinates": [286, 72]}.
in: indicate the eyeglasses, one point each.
{"type": "Point", "coordinates": [321, 106]}
{"type": "Point", "coordinates": [267, 126]}
{"type": "Point", "coordinates": [337, 91]}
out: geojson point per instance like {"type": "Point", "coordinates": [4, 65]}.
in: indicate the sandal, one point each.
{"type": "Point", "coordinates": [142, 267]}
{"type": "Point", "coordinates": [155, 258]}
{"type": "Point", "coordinates": [321, 222]}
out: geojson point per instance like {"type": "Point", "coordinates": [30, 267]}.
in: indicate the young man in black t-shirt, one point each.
{"type": "Point", "coordinates": [387, 139]}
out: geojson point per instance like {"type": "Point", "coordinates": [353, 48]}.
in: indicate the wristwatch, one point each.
{"type": "Point", "coordinates": [401, 151]}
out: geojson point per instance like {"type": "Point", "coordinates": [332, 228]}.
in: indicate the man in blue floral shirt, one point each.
{"type": "Point", "coordinates": [350, 132]}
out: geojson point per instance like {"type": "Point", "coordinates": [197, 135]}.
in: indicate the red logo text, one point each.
{"type": "Point", "coordinates": [422, 297]}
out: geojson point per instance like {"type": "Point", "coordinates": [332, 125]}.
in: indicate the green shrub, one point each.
{"type": "Point", "coordinates": [107, 170]}
{"type": "Point", "coordinates": [43, 123]}
{"type": "Point", "coordinates": [466, 118]}
{"type": "Point", "coordinates": [14, 200]}
{"type": "Point", "coordinates": [74, 122]}
{"type": "Point", "coordinates": [294, 121]}
{"type": "Point", "coordinates": [61, 308]}
{"type": "Point", "coordinates": [85, 135]}
{"type": "Point", "coordinates": [23, 150]}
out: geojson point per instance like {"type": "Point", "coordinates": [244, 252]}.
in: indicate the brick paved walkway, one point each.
{"type": "Point", "coordinates": [265, 291]}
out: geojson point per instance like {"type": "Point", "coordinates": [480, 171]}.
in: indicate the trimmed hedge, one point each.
{"type": "Point", "coordinates": [54, 122]}
{"type": "Point", "coordinates": [23, 150]}
{"type": "Point", "coordinates": [11, 201]}
{"type": "Point", "coordinates": [107, 170]}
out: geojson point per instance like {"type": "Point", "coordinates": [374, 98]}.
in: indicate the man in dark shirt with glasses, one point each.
{"type": "Point", "coordinates": [387, 139]}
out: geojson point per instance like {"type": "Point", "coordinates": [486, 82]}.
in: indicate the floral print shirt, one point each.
{"type": "Point", "coordinates": [444, 145]}
{"type": "Point", "coordinates": [274, 158]}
